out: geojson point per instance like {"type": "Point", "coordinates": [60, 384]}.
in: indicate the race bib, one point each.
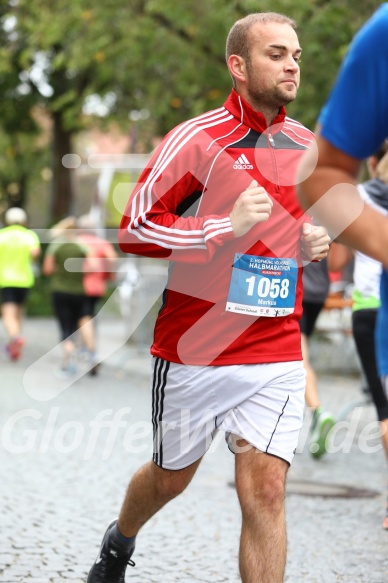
{"type": "Point", "coordinates": [262, 286]}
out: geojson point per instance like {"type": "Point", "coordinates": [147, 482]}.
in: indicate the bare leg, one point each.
{"type": "Point", "coordinates": [12, 315]}
{"type": "Point", "coordinates": [384, 436]}
{"type": "Point", "coordinates": [86, 329]}
{"type": "Point", "coordinates": [149, 490]}
{"type": "Point", "coordinates": [311, 396]}
{"type": "Point", "coordinates": [260, 483]}
{"type": "Point", "coordinates": [68, 352]}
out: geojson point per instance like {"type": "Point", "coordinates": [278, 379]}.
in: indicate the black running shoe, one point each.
{"type": "Point", "coordinates": [111, 562]}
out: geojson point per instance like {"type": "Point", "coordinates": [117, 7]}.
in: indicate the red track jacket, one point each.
{"type": "Point", "coordinates": [214, 311]}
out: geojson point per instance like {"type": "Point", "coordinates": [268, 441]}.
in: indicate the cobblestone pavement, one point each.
{"type": "Point", "coordinates": [67, 453]}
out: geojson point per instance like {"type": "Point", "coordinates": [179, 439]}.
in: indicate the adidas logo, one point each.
{"type": "Point", "coordinates": [242, 163]}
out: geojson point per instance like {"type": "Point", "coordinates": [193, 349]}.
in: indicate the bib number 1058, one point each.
{"type": "Point", "coordinates": [262, 286]}
{"type": "Point", "coordinates": [268, 287]}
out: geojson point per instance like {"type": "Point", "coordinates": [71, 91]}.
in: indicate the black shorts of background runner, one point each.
{"type": "Point", "coordinates": [311, 311]}
{"type": "Point", "coordinates": [14, 295]}
{"type": "Point", "coordinates": [69, 309]}
{"type": "Point", "coordinates": [90, 305]}
{"type": "Point", "coordinates": [363, 323]}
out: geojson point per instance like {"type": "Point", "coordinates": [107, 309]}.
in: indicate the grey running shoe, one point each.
{"type": "Point", "coordinates": [66, 373]}
{"type": "Point", "coordinates": [111, 562]}
{"type": "Point", "coordinates": [322, 423]}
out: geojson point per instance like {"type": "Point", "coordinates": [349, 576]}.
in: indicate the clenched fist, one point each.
{"type": "Point", "coordinates": [253, 206]}
{"type": "Point", "coordinates": [315, 241]}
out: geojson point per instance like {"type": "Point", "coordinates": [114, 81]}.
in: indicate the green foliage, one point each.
{"type": "Point", "coordinates": [163, 56]}
{"type": "Point", "coordinates": [39, 298]}
{"type": "Point", "coordinates": [121, 185]}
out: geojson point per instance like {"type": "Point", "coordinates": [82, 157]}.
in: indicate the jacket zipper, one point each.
{"type": "Point", "coordinates": [272, 150]}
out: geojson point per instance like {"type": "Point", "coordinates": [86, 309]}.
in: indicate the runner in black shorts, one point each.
{"type": "Point", "coordinates": [316, 284]}
{"type": "Point", "coordinates": [68, 294]}
{"type": "Point", "coordinates": [19, 248]}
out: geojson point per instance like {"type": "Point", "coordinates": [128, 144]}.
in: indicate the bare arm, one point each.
{"type": "Point", "coordinates": [35, 253]}
{"type": "Point", "coordinates": [48, 265]}
{"type": "Point", "coordinates": [339, 256]}
{"type": "Point", "coordinates": [331, 188]}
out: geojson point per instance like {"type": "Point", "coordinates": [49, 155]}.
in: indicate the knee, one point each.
{"type": "Point", "coordinates": [170, 483]}
{"type": "Point", "coordinates": [272, 493]}
{"type": "Point", "coordinates": [261, 493]}
{"type": "Point", "coordinates": [265, 497]}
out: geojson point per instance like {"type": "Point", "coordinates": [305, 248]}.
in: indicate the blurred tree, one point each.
{"type": "Point", "coordinates": [19, 149]}
{"type": "Point", "coordinates": [156, 61]}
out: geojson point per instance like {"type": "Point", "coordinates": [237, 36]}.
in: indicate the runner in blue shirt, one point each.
{"type": "Point", "coordinates": [352, 126]}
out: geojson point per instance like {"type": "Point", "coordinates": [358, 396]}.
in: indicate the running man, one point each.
{"type": "Point", "coordinates": [218, 201]}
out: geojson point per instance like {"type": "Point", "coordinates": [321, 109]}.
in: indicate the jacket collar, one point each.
{"type": "Point", "coordinates": [241, 110]}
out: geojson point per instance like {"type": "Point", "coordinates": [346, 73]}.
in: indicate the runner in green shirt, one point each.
{"type": "Point", "coordinates": [19, 247]}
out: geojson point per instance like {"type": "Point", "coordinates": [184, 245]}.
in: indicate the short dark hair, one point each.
{"type": "Point", "coordinates": [237, 42]}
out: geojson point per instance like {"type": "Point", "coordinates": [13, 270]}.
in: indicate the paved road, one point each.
{"type": "Point", "coordinates": [67, 453]}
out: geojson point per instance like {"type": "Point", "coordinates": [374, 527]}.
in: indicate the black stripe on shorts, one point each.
{"type": "Point", "coordinates": [277, 423]}
{"type": "Point", "coordinates": [159, 382]}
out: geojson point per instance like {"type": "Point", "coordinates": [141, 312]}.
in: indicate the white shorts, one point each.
{"type": "Point", "coordinates": [261, 403]}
